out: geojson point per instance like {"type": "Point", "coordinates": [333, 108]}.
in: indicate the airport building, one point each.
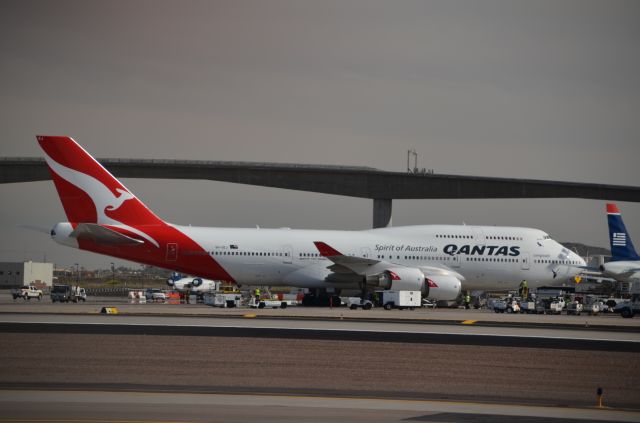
{"type": "Point", "coordinates": [14, 274]}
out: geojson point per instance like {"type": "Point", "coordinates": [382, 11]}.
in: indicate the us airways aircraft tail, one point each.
{"type": "Point", "coordinates": [106, 218]}
{"type": "Point", "coordinates": [625, 262]}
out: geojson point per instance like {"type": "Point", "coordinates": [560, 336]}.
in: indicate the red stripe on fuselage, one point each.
{"type": "Point", "coordinates": [191, 258]}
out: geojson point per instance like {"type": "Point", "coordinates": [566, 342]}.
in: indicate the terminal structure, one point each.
{"type": "Point", "coordinates": [363, 182]}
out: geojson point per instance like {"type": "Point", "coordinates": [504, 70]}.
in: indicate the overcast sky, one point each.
{"type": "Point", "coordinates": [523, 89]}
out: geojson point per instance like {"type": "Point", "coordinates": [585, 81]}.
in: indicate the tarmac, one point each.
{"type": "Point", "coordinates": [192, 362]}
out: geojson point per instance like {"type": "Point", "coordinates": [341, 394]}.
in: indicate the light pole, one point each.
{"type": "Point", "coordinates": [113, 273]}
{"type": "Point", "coordinates": [77, 274]}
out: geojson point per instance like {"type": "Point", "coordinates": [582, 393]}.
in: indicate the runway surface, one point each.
{"type": "Point", "coordinates": [120, 367]}
{"type": "Point", "coordinates": [118, 407]}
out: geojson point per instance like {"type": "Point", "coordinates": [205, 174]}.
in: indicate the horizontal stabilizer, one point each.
{"type": "Point", "coordinates": [102, 235]}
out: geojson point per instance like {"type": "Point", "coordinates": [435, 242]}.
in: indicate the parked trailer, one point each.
{"type": "Point", "coordinates": [219, 299]}
{"type": "Point", "coordinates": [401, 299]}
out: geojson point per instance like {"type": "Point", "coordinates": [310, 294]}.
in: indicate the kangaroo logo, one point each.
{"type": "Point", "coordinates": [103, 198]}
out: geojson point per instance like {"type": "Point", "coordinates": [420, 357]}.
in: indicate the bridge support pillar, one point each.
{"type": "Point", "coordinates": [382, 212]}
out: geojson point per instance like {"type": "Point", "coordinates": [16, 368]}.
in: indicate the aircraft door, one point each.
{"type": "Point", "coordinates": [456, 260]}
{"type": "Point", "coordinates": [526, 265]}
{"type": "Point", "coordinates": [287, 254]}
{"type": "Point", "coordinates": [172, 251]}
{"type": "Point", "coordinates": [365, 252]}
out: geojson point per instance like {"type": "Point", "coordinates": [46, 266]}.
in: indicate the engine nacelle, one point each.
{"type": "Point", "coordinates": [196, 282]}
{"type": "Point", "coordinates": [401, 279]}
{"type": "Point", "coordinates": [443, 287]}
{"type": "Point", "coordinates": [619, 269]}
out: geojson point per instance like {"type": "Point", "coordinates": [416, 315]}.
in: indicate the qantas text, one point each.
{"type": "Point", "coordinates": [491, 250]}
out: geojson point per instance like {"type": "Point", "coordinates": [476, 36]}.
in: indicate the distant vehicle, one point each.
{"type": "Point", "coordinates": [66, 293]}
{"type": "Point", "coordinates": [155, 294]}
{"type": "Point", "coordinates": [26, 293]}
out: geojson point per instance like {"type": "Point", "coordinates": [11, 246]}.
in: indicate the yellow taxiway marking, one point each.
{"type": "Point", "coordinates": [468, 322]}
{"type": "Point", "coordinates": [249, 316]}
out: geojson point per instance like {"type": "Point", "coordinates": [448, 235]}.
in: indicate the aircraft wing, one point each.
{"type": "Point", "coordinates": [102, 235]}
{"type": "Point", "coordinates": [349, 265]}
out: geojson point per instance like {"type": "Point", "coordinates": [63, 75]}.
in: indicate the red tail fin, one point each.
{"type": "Point", "coordinates": [89, 193]}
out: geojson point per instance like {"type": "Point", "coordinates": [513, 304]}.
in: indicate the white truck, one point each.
{"type": "Point", "coordinates": [401, 299]}
{"type": "Point", "coordinates": [26, 293]}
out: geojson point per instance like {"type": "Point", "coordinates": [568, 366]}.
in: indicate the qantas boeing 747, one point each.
{"type": "Point", "coordinates": [106, 218]}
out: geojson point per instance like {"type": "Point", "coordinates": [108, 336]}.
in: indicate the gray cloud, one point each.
{"type": "Point", "coordinates": [545, 90]}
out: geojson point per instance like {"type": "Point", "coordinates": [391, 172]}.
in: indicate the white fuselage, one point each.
{"type": "Point", "coordinates": [487, 258]}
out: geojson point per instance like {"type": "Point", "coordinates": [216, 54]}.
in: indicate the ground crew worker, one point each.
{"type": "Point", "coordinates": [524, 289]}
{"type": "Point", "coordinates": [257, 293]}
{"type": "Point", "coordinates": [467, 301]}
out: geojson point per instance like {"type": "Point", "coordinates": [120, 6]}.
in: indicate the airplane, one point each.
{"type": "Point", "coordinates": [625, 262]}
{"type": "Point", "coordinates": [440, 260]}
{"type": "Point", "coordinates": [193, 285]}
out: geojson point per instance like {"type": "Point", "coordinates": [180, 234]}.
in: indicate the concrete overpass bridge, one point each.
{"type": "Point", "coordinates": [364, 182]}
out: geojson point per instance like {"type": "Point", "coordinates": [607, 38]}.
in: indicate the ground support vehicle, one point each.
{"type": "Point", "coordinates": [401, 299]}
{"type": "Point", "coordinates": [270, 303]}
{"type": "Point", "coordinates": [220, 299]}
{"type": "Point", "coordinates": [66, 293]}
{"type": "Point", "coordinates": [628, 308]}
{"type": "Point", "coordinates": [509, 305]}
{"type": "Point", "coordinates": [593, 305]}
{"type": "Point", "coordinates": [356, 302]}
{"type": "Point", "coordinates": [575, 308]}
{"type": "Point", "coordinates": [26, 293]}
{"type": "Point", "coordinates": [155, 294]}
{"type": "Point", "coordinates": [528, 306]}
{"type": "Point", "coordinates": [550, 306]}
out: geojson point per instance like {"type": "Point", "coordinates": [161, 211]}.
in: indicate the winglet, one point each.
{"type": "Point", "coordinates": [612, 209]}
{"type": "Point", "coordinates": [325, 250]}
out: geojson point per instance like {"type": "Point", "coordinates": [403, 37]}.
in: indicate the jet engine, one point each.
{"type": "Point", "coordinates": [196, 282]}
{"type": "Point", "coordinates": [400, 279]}
{"type": "Point", "coordinates": [442, 287]}
{"type": "Point", "coordinates": [620, 270]}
